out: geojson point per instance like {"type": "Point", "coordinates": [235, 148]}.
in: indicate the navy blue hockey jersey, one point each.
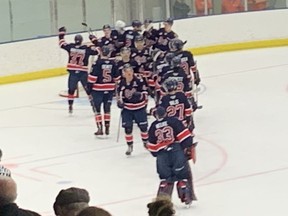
{"type": "Point", "coordinates": [130, 37]}
{"type": "Point", "coordinates": [163, 38]}
{"type": "Point", "coordinates": [125, 91]}
{"type": "Point", "coordinates": [104, 76]}
{"type": "Point", "coordinates": [176, 105]}
{"type": "Point", "coordinates": [187, 61]}
{"type": "Point", "coordinates": [165, 132]}
{"type": "Point", "coordinates": [78, 55]}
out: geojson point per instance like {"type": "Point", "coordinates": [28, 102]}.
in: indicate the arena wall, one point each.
{"type": "Point", "coordinates": [42, 58]}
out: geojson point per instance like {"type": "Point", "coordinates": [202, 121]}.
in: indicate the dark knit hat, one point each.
{"type": "Point", "coordinates": [72, 195]}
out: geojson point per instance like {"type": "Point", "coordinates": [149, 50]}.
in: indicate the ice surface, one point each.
{"type": "Point", "coordinates": [242, 166]}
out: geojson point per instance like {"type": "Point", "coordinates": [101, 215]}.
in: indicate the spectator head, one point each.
{"type": "Point", "coordinates": [94, 211]}
{"type": "Point", "coordinates": [71, 201]}
{"type": "Point", "coordinates": [8, 190]}
{"type": "Point", "coordinates": [1, 154]}
{"type": "Point", "coordinates": [162, 206]}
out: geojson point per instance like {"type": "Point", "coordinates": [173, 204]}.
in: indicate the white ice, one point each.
{"type": "Point", "coordinates": [242, 166]}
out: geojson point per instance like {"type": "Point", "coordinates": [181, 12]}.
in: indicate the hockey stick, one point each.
{"type": "Point", "coordinates": [90, 32]}
{"type": "Point", "coordinates": [120, 117]}
{"type": "Point", "coordinates": [119, 125]}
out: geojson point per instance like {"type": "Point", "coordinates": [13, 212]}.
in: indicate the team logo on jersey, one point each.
{"type": "Point", "coordinates": [128, 93]}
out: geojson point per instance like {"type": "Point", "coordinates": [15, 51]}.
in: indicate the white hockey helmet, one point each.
{"type": "Point", "coordinates": [119, 25]}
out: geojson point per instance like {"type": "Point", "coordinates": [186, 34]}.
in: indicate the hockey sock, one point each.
{"type": "Point", "coordinates": [70, 99]}
{"type": "Point", "coordinates": [98, 118]}
{"type": "Point", "coordinates": [129, 139]}
{"type": "Point", "coordinates": [107, 119]}
{"type": "Point", "coordinates": [144, 136]}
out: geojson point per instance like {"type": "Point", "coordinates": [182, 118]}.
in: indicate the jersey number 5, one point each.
{"type": "Point", "coordinates": [107, 75]}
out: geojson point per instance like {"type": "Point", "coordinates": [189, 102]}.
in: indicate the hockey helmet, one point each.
{"type": "Point", "coordinates": [106, 26]}
{"type": "Point", "coordinates": [160, 112]}
{"type": "Point", "coordinates": [156, 54]}
{"type": "Point", "coordinates": [176, 44]}
{"type": "Point", "coordinates": [139, 38]}
{"type": "Point", "coordinates": [78, 39]}
{"type": "Point", "coordinates": [147, 21]}
{"type": "Point", "coordinates": [169, 21]}
{"type": "Point", "coordinates": [105, 51]}
{"type": "Point", "coordinates": [170, 85]}
{"type": "Point", "coordinates": [136, 23]}
{"type": "Point", "coordinates": [169, 56]}
{"type": "Point", "coordinates": [125, 50]}
{"type": "Point", "coordinates": [176, 61]}
{"type": "Point", "coordinates": [119, 25]}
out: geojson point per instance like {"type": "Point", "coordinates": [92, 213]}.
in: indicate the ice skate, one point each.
{"type": "Point", "coordinates": [129, 150]}
{"type": "Point", "coordinates": [70, 109]}
{"type": "Point", "coordinates": [99, 132]}
{"type": "Point", "coordinates": [107, 129]}
{"type": "Point", "coordinates": [145, 144]}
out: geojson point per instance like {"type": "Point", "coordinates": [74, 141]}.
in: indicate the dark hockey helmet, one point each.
{"type": "Point", "coordinates": [136, 23]}
{"type": "Point", "coordinates": [139, 38]}
{"type": "Point", "coordinates": [125, 49]}
{"type": "Point", "coordinates": [1, 154]}
{"type": "Point", "coordinates": [171, 85]}
{"type": "Point", "coordinates": [156, 54]}
{"type": "Point", "coordinates": [160, 112]}
{"type": "Point", "coordinates": [176, 44]}
{"type": "Point", "coordinates": [169, 21]}
{"type": "Point", "coordinates": [169, 56]}
{"type": "Point", "coordinates": [107, 26]}
{"type": "Point", "coordinates": [78, 39]}
{"type": "Point", "coordinates": [105, 51]}
{"type": "Point", "coordinates": [147, 21]}
{"type": "Point", "coordinates": [176, 61]}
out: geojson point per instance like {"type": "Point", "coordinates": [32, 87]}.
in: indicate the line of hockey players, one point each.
{"type": "Point", "coordinates": [133, 65]}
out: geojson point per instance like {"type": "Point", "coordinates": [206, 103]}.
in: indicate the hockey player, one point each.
{"type": "Point", "coordinates": [108, 39]}
{"type": "Point", "coordinates": [164, 35]}
{"type": "Point", "coordinates": [101, 84]}
{"type": "Point", "coordinates": [127, 59]}
{"type": "Point", "coordinates": [177, 105]}
{"type": "Point", "coordinates": [119, 33]}
{"type": "Point", "coordinates": [141, 55]}
{"type": "Point", "coordinates": [132, 99]}
{"type": "Point", "coordinates": [187, 60]}
{"type": "Point", "coordinates": [149, 33]}
{"type": "Point", "coordinates": [168, 138]}
{"type": "Point", "coordinates": [131, 34]}
{"type": "Point", "coordinates": [77, 64]}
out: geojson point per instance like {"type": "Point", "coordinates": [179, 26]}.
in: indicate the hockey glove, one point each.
{"type": "Point", "coordinates": [190, 152]}
{"type": "Point", "coordinates": [120, 104]}
{"type": "Point", "coordinates": [62, 30]}
{"type": "Point", "coordinates": [136, 96]}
